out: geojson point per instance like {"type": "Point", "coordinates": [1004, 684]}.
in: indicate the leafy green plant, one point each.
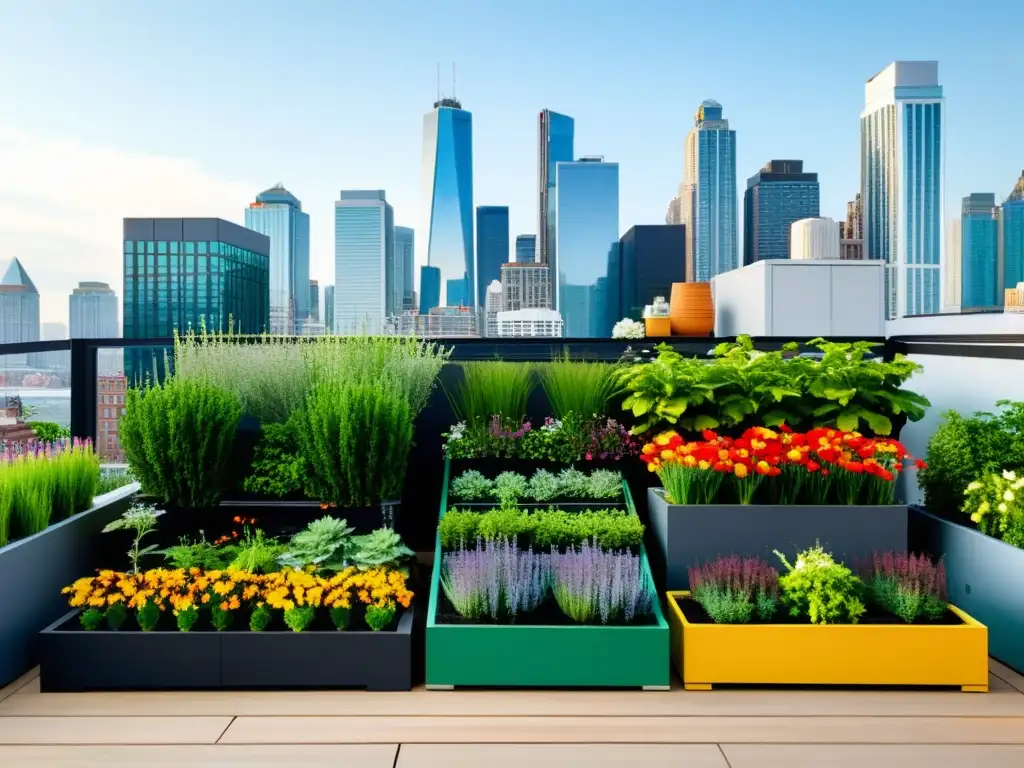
{"type": "Point", "coordinates": [378, 617]}
{"type": "Point", "coordinates": [492, 389]}
{"type": "Point", "coordinates": [509, 487]}
{"type": "Point", "coordinates": [458, 528]}
{"type": "Point", "coordinates": [573, 484]}
{"type": "Point", "coordinates": [996, 503]}
{"type": "Point", "coordinates": [667, 390]}
{"type": "Point", "coordinates": [202, 554]}
{"type": "Point", "coordinates": [907, 585]}
{"type": "Point", "coordinates": [257, 553]}
{"type": "Point", "coordinates": [574, 386]}
{"type": "Point", "coordinates": [612, 529]}
{"type": "Point", "coordinates": [324, 543]}
{"type": "Point", "coordinates": [471, 485]}
{"type": "Point", "coordinates": [735, 590]}
{"type": "Point", "coordinates": [278, 467]}
{"type": "Point", "coordinates": [543, 486]}
{"type": "Point", "coordinates": [48, 431]}
{"type": "Point", "coordinates": [819, 589]}
{"type": "Point", "coordinates": [380, 548]}
{"type": "Point", "coordinates": [506, 523]}
{"type": "Point", "coordinates": [178, 438]}
{"type": "Point", "coordinates": [604, 484]}
{"type": "Point", "coordinates": [140, 519]}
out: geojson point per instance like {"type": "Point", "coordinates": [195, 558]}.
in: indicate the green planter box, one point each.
{"type": "Point", "coordinates": [521, 655]}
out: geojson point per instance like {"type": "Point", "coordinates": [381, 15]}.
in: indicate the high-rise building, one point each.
{"type": "Point", "coordinates": [653, 257]}
{"type": "Point", "coordinates": [980, 252]}
{"type": "Point", "coordinates": [446, 202]}
{"type": "Point", "coordinates": [708, 195]}
{"type": "Point", "coordinates": [526, 248]}
{"type": "Point", "coordinates": [776, 196]}
{"type": "Point", "coordinates": [188, 273]}
{"type": "Point", "coordinates": [491, 246]}
{"type": "Point", "coordinates": [314, 300]}
{"type": "Point", "coordinates": [528, 322]}
{"type": "Point", "coordinates": [555, 144]}
{"type": "Point", "coordinates": [902, 183]}
{"type": "Point", "coordinates": [525, 285]}
{"type": "Point", "coordinates": [814, 238]}
{"type": "Point", "coordinates": [111, 390]}
{"type": "Point", "coordinates": [952, 286]}
{"type": "Point", "coordinates": [674, 215]}
{"type": "Point", "coordinates": [329, 309]}
{"type": "Point", "coordinates": [851, 232]}
{"type": "Point", "coordinates": [1011, 237]}
{"type": "Point", "coordinates": [405, 252]}
{"type": "Point", "coordinates": [492, 306]}
{"type": "Point", "coordinates": [585, 270]}
{"type": "Point", "coordinates": [92, 311]}
{"type": "Point", "coordinates": [367, 279]}
{"type": "Point", "coordinates": [19, 310]}
{"type": "Point", "coordinates": [278, 214]}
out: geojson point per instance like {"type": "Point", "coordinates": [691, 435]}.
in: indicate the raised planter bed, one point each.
{"type": "Point", "coordinates": [75, 660]}
{"type": "Point", "coordinates": [984, 577]}
{"type": "Point", "coordinates": [33, 571]}
{"type": "Point", "coordinates": [707, 654]}
{"type": "Point", "coordinates": [691, 534]}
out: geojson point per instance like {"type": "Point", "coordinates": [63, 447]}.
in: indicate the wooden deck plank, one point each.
{"type": "Point", "coordinates": [19, 684]}
{"type": "Point", "coordinates": [611, 730]}
{"type": "Point", "coordinates": [112, 730]}
{"type": "Point", "coordinates": [207, 756]}
{"type": "Point", "coordinates": [858, 756]}
{"type": "Point", "coordinates": [1003, 672]}
{"type": "Point", "coordinates": [559, 756]}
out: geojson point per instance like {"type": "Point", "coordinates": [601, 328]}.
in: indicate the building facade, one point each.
{"type": "Point", "coordinates": [19, 309]}
{"type": "Point", "coordinates": [92, 311]}
{"type": "Point", "coordinates": [979, 252]}
{"type": "Point", "coordinates": [111, 390]}
{"type": "Point", "coordinates": [405, 252]}
{"type": "Point", "coordinates": [526, 248]}
{"type": "Point", "coordinates": [814, 238]}
{"type": "Point", "coordinates": [492, 244]}
{"type": "Point", "coordinates": [776, 196]}
{"type": "Point", "coordinates": [952, 277]}
{"type": "Point", "coordinates": [708, 197]}
{"type": "Point", "coordinates": [529, 322]}
{"type": "Point", "coordinates": [525, 285]}
{"type": "Point", "coordinates": [585, 266]}
{"type": "Point", "coordinates": [556, 135]}
{"type": "Point", "coordinates": [314, 301]}
{"type": "Point", "coordinates": [851, 232]}
{"type": "Point", "coordinates": [367, 279]}
{"type": "Point", "coordinates": [329, 309]}
{"type": "Point", "coordinates": [902, 183]}
{"type": "Point", "coordinates": [446, 202]}
{"type": "Point", "coordinates": [674, 214]}
{"type": "Point", "coordinates": [278, 214]}
{"type": "Point", "coordinates": [652, 257]}
{"type": "Point", "coordinates": [1011, 237]}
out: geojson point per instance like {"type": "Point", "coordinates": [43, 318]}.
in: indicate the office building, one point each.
{"type": "Point", "coordinates": [1011, 237]}
{"type": "Point", "coordinates": [653, 257]}
{"type": "Point", "coordinates": [405, 252]}
{"type": "Point", "coordinates": [191, 273]}
{"type": "Point", "coordinates": [492, 306]}
{"type": "Point", "coordinates": [979, 252]}
{"type": "Point", "coordinates": [902, 183]}
{"type": "Point", "coordinates": [430, 288]}
{"type": "Point", "coordinates": [111, 389]}
{"type": "Point", "coordinates": [367, 280]}
{"type": "Point", "coordinates": [525, 285]}
{"type": "Point", "coordinates": [529, 322]}
{"type": "Point", "coordinates": [555, 144]}
{"type": "Point", "coordinates": [19, 310]}
{"type": "Point", "coordinates": [584, 269]}
{"type": "Point", "coordinates": [314, 301]}
{"type": "Point", "coordinates": [446, 202]}
{"type": "Point", "coordinates": [814, 238]}
{"type": "Point", "coordinates": [776, 196]}
{"type": "Point", "coordinates": [92, 310]}
{"type": "Point", "coordinates": [851, 232]}
{"type": "Point", "coordinates": [674, 214]}
{"type": "Point", "coordinates": [492, 244]}
{"type": "Point", "coordinates": [278, 214]}
{"type": "Point", "coordinates": [329, 309]}
{"type": "Point", "coordinates": [526, 248]}
{"type": "Point", "coordinates": [708, 195]}
{"type": "Point", "coordinates": [952, 286]}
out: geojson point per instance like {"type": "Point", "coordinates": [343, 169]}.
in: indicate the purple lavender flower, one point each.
{"type": "Point", "coordinates": [495, 581]}
{"type": "Point", "coordinates": [591, 584]}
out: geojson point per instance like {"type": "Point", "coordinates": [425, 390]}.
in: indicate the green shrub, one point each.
{"type": "Point", "coordinates": [509, 487]}
{"type": "Point", "coordinates": [995, 502]}
{"type": "Point", "coordinates": [573, 484]}
{"type": "Point", "coordinates": [278, 467]}
{"type": "Point", "coordinates": [506, 523]}
{"type": "Point", "coordinates": [49, 431]}
{"type": "Point", "coordinates": [178, 438]}
{"type": "Point", "coordinates": [471, 486]}
{"type": "Point", "coordinates": [604, 484]}
{"type": "Point", "coordinates": [458, 528]}
{"type": "Point", "coordinates": [200, 554]}
{"type": "Point", "coordinates": [613, 529]}
{"type": "Point", "coordinates": [819, 589]}
{"type": "Point", "coordinates": [543, 486]}
{"type": "Point", "coordinates": [256, 553]}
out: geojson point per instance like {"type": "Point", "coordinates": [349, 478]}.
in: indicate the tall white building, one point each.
{"type": "Point", "coordinates": [953, 277]}
{"type": "Point", "coordinates": [815, 238]}
{"type": "Point", "coordinates": [364, 262]}
{"type": "Point", "coordinates": [92, 311]}
{"type": "Point", "coordinates": [902, 183]}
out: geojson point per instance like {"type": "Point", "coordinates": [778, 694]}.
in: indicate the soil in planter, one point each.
{"type": "Point", "coordinates": [695, 614]}
{"type": "Point", "coordinates": [548, 614]}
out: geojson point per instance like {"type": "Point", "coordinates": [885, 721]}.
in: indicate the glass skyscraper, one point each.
{"type": "Point", "coordinates": [653, 257]}
{"type": "Point", "coordinates": [430, 288]}
{"type": "Point", "coordinates": [367, 278]}
{"type": "Point", "coordinates": [902, 181]}
{"type": "Point", "coordinates": [1011, 237]}
{"type": "Point", "coordinates": [491, 246]}
{"type": "Point", "coordinates": [555, 137]}
{"type": "Point", "coordinates": [708, 197]}
{"type": "Point", "coordinates": [586, 281]}
{"type": "Point", "coordinates": [405, 252]}
{"type": "Point", "coordinates": [979, 254]}
{"type": "Point", "coordinates": [329, 309]}
{"type": "Point", "coordinates": [278, 214]}
{"type": "Point", "coordinates": [526, 248]}
{"type": "Point", "coordinates": [446, 202]}
{"type": "Point", "coordinates": [19, 309]}
{"type": "Point", "coordinates": [776, 196]}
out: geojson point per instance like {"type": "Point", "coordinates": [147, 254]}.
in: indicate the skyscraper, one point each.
{"type": "Point", "coordinates": [278, 214]}
{"type": "Point", "coordinates": [1011, 237]}
{"type": "Point", "coordinates": [525, 285]}
{"type": "Point", "coordinates": [980, 252]}
{"type": "Point", "coordinates": [314, 301]}
{"type": "Point", "coordinates": [92, 311]}
{"type": "Point", "coordinates": [491, 246]}
{"type": "Point", "coordinates": [653, 257]}
{"type": "Point", "coordinates": [674, 214]}
{"type": "Point", "coordinates": [19, 309]}
{"type": "Point", "coordinates": [585, 270]}
{"type": "Point", "coordinates": [707, 196]}
{"type": "Point", "coordinates": [329, 309]}
{"type": "Point", "coordinates": [902, 183]}
{"type": "Point", "coordinates": [446, 202]}
{"type": "Point", "coordinates": [777, 196]}
{"type": "Point", "coordinates": [526, 248]}
{"type": "Point", "coordinates": [555, 144]}
{"type": "Point", "coordinates": [367, 281]}
{"type": "Point", "coordinates": [851, 232]}
{"type": "Point", "coordinates": [952, 285]}
{"type": "Point", "coordinates": [405, 252]}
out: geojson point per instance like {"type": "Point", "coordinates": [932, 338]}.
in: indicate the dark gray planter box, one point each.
{"type": "Point", "coordinates": [35, 569]}
{"type": "Point", "coordinates": [693, 534]}
{"type": "Point", "coordinates": [985, 577]}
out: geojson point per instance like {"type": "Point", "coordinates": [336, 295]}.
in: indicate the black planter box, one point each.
{"type": "Point", "coordinates": [74, 660]}
{"type": "Point", "coordinates": [689, 535]}
{"type": "Point", "coordinates": [985, 578]}
{"type": "Point", "coordinates": [35, 569]}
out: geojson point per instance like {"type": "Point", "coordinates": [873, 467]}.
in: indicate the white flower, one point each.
{"type": "Point", "coordinates": [1008, 495]}
{"type": "Point", "coordinates": [457, 431]}
{"type": "Point", "coordinates": [974, 485]}
{"type": "Point", "coordinates": [554, 426]}
{"type": "Point", "coordinates": [628, 329]}
{"type": "Point", "coordinates": [1009, 475]}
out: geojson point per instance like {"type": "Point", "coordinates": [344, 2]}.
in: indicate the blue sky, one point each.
{"type": "Point", "coordinates": [111, 108]}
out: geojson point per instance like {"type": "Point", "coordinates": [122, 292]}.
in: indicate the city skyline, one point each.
{"type": "Point", "coordinates": [81, 165]}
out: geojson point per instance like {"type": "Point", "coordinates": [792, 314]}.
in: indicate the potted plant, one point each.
{"type": "Point", "coordinates": [569, 487]}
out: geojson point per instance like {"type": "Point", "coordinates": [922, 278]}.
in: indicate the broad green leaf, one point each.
{"type": "Point", "coordinates": [879, 424]}
{"type": "Point", "coordinates": [673, 408]}
{"type": "Point", "coordinates": [825, 409]}
{"type": "Point", "coordinates": [642, 405]}
{"type": "Point", "coordinates": [775, 418]}
{"type": "Point", "coordinates": [704, 421]}
{"type": "Point", "coordinates": [848, 419]}
{"type": "Point", "coordinates": [842, 395]}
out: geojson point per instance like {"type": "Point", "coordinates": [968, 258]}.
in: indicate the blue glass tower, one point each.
{"type": "Point", "coordinates": [278, 214]}
{"type": "Point", "coordinates": [367, 279]}
{"type": "Point", "coordinates": [526, 249]}
{"type": "Point", "coordinates": [446, 202]}
{"type": "Point", "coordinates": [979, 252]}
{"type": "Point", "coordinates": [430, 288]}
{"type": "Point", "coordinates": [587, 246]}
{"type": "Point", "coordinates": [1011, 237]}
{"type": "Point", "coordinates": [556, 134]}
{"type": "Point", "coordinates": [776, 196]}
{"type": "Point", "coordinates": [491, 246]}
{"type": "Point", "coordinates": [405, 252]}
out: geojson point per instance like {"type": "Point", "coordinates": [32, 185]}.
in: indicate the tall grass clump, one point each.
{"type": "Point", "coordinates": [577, 387]}
{"type": "Point", "coordinates": [76, 470]}
{"type": "Point", "coordinates": [7, 487]}
{"type": "Point", "coordinates": [492, 389]}
{"type": "Point", "coordinates": [178, 438]}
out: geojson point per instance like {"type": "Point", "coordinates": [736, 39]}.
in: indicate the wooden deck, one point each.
{"type": "Point", "coordinates": [459, 729]}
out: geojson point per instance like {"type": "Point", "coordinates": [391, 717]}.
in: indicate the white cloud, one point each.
{"type": "Point", "coordinates": [62, 202]}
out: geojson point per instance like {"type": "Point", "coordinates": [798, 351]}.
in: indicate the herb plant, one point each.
{"type": "Point", "coordinates": [257, 553]}
{"type": "Point", "coordinates": [509, 487]}
{"type": "Point", "coordinates": [471, 485]}
{"type": "Point", "coordinates": [819, 589]}
{"type": "Point", "coordinates": [492, 389]}
{"type": "Point", "coordinates": [201, 554]}
{"type": "Point", "coordinates": [907, 585]}
{"type": "Point", "coordinates": [496, 581]}
{"type": "Point", "coordinates": [278, 467]}
{"type": "Point", "coordinates": [591, 585]}
{"type": "Point", "coordinates": [382, 548]}
{"type": "Point", "coordinates": [573, 484]}
{"type": "Point", "coordinates": [140, 519]}
{"type": "Point", "coordinates": [324, 543]}
{"type": "Point", "coordinates": [577, 387]}
{"type": "Point", "coordinates": [612, 529]}
{"type": "Point", "coordinates": [458, 528]}
{"type": "Point", "coordinates": [604, 484]}
{"type": "Point", "coordinates": [996, 503]}
{"type": "Point", "coordinates": [734, 590]}
{"type": "Point", "coordinates": [543, 486]}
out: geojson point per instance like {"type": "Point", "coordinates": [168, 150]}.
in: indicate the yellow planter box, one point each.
{"type": "Point", "coordinates": [828, 654]}
{"type": "Point", "coordinates": [657, 327]}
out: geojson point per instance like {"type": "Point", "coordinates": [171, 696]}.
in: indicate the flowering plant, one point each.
{"type": "Point", "coordinates": [781, 466]}
{"type": "Point", "coordinates": [735, 590]}
{"type": "Point", "coordinates": [571, 438]}
{"type": "Point", "coordinates": [907, 585]}
{"type": "Point", "coordinates": [996, 504]}
{"type": "Point", "coordinates": [627, 328]}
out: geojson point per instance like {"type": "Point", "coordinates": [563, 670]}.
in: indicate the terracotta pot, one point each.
{"type": "Point", "coordinates": [691, 310]}
{"type": "Point", "coordinates": [657, 326]}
